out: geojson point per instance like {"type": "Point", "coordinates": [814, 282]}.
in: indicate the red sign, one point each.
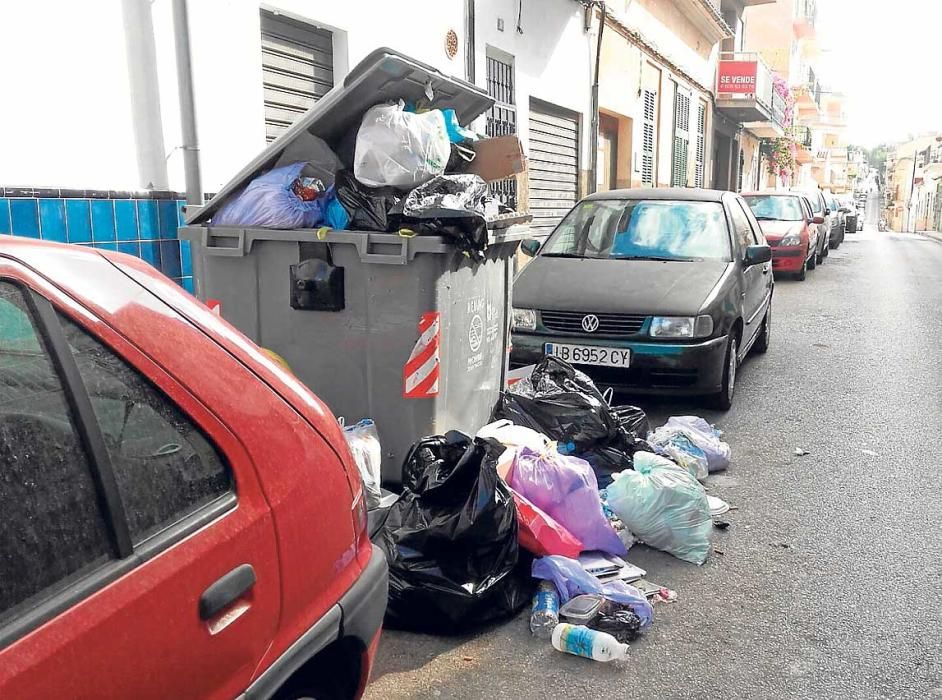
{"type": "Point", "coordinates": [737, 77]}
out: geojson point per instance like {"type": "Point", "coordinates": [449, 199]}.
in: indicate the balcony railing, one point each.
{"type": "Point", "coordinates": [801, 135]}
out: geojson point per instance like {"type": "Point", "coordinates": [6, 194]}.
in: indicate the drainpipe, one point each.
{"type": "Point", "coordinates": [912, 194]}
{"type": "Point", "coordinates": [594, 143]}
{"type": "Point", "coordinates": [190, 146]}
{"type": "Point", "coordinates": [469, 41]}
{"type": "Point", "coordinates": [145, 94]}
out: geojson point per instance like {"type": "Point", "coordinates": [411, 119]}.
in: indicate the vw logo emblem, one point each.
{"type": "Point", "coordinates": [590, 323]}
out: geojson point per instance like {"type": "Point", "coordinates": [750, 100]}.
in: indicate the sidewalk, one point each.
{"type": "Point", "coordinates": [937, 235]}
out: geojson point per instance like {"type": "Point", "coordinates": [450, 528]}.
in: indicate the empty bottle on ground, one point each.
{"type": "Point", "coordinates": [582, 641]}
{"type": "Point", "coordinates": [545, 614]}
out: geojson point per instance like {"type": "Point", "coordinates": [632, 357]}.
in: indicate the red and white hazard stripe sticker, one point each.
{"type": "Point", "coordinates": [215, 306]}
{"type": "Point", "coordinates": [423, 368]}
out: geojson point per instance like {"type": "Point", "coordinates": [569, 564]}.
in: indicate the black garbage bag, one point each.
{"type": "Point", "coordinates": [562, 403]}
{"type": "Point", "coordinates": [633, 420]}
{"type": "Point", "coordinates": [369, 208]}
{"type": "Point", "coordinates": [451, 540]}
{"type": "Point", "coordinates": [450, 206]}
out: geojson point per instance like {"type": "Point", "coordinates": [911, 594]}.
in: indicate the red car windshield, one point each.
{"type": "Point", "coordinates": [772, 207]}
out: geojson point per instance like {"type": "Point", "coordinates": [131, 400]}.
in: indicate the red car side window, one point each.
{"type": "Point", "coordinates": [164, 466]}
{"type": "Point", "coordinates": [52, 531]}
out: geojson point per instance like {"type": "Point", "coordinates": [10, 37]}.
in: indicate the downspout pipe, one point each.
{"type": "Point", "coordinates": [190, 145]}
{"type": "Point", "coordinates": [594, 143]}
{"type": "Point", "coordinates": [144, 92]}
{"type": "Point", "coordinates": [469, 58]}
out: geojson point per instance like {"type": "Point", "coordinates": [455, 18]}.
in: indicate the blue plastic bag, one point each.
{"type": "Point", "coordinates": [565, 488]}
{"type": "Point", "coordinates": [456, 132]}
{"type": "Point", "coordinates": [335, 215]}
{"type": "Point", "coordinates": [664, 506]}
{"type": "Point", "coordinates": [571, 580]}
{"type": "Point", "coordinates": [675, 444]}
{"type": "Point", "coordinates": [268, 202]}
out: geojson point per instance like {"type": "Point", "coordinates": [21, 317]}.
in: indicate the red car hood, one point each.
{"type": "Point", "coordinates": [775, 230]}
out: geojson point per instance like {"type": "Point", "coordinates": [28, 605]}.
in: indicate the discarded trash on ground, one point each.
{"type": "Point", "coordinates": [801, 452]}
{"type": "Point", "coordinates": [363, 441]}
{"type": "Point", "coordinates": [591, 644]}
{"type": "Point", "coordinates": [717, 505]}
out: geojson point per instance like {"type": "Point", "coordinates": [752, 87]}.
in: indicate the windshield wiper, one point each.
{"type": "Point", "coordinates": [767, 218]}
{"type": "Point", "coordinates": [562, 255]}
{"type": "Point", "coordinates": [656, 258]}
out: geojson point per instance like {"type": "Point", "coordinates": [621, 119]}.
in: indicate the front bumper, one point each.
{"type": "Point", "coordinates": [654, 368]}
{"type": "Point", "coordinates": [788, 259]}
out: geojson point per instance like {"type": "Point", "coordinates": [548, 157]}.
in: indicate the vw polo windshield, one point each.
{"type": "Point", "coordinates": [642, 230]}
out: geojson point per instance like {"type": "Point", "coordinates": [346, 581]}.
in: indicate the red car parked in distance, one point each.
{"type": "Point", "coordinates": [790, 228]}
{"type": "Point", "coordinates": [181, 516]}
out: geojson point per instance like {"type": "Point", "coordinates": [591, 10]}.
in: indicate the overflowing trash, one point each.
{"type": "Point", "coordinates": [451, 540]}
{"type": "Point", "coordinates": [484, 521]}
{"type": "Point", "coordinates": [400, 166]}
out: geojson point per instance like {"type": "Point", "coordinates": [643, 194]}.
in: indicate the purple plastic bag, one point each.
{"type": "Point", "coordinates": [565, 488]}
{"type": "Point", "coordinates": [268, 202]}
{"type": "Point", "coordinates": [571, 580]}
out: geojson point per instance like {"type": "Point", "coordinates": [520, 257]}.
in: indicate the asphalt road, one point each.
{"type": "Point", "coordinates": [828, 585]}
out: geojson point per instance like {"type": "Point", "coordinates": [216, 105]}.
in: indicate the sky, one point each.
{"type": "Point", "coordinates": [886, 57]}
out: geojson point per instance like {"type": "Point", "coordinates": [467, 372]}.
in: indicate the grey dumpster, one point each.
{"type": "Point", "coordinates": [407, 331]}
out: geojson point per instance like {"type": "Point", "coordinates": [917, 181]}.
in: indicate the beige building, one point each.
{"type": "Point", "coordinates": [914, 185]}
{"type": "Point", "coordinates": [656, 93]}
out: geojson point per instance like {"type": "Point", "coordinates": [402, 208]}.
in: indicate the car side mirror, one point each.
{"type": "Point", "coordinates": [826, 211]}
{"type": "Point", "coordinates": [845, 210]}
{"type": "Point", "coordinates": [757, 254]}
{"type": "Point", "coordinates": [817, 219]}
{"type": "Point", "coordinates": [530, 247]}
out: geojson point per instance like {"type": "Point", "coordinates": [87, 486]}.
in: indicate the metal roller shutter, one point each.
{"type": "Point", "coordinates": [297, 70]}
{"type": "Point", "coordinates": [553, 166]}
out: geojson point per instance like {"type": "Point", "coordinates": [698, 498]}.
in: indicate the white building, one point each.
{"type": "Point", "coordinates": [97, 93]}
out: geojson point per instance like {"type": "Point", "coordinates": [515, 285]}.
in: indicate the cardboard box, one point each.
{"type": "Point", "coordinates": [497, 158]}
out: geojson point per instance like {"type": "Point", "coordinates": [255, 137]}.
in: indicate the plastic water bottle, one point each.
{"type": "Point", "coordinates": [545, 614]}
{"type": "Point", "coordinates": [581, 641]}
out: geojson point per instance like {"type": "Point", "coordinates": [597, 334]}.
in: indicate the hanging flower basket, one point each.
{"type": "Point", "coordinates": [780, 157]}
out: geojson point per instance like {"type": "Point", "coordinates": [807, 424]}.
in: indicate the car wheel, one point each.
{"type": "Point", "coordinates": [803, 272]}
{"type": "Point", "coordinates": [812, 262]}
{"type": "Point", "coordinates": [761, 346]}
{"type": "Point", "coordinates": [723, 400]}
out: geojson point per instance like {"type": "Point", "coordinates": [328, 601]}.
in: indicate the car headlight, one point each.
{"type": "Point", "coordinates": [791, 239]}
{"type": "Point", "coordinates": [524, 320]}
{"type": "Point", "coordinates": [681, 326]}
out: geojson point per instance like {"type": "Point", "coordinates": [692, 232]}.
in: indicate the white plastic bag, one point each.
{"type": "Point", "coordinates": [513, 437]}
{"type": "Point", "coordinates": [400, 149]}
{"type": "Point", "coordinates": [677, 445]}
{"type": "Point", "coordinates": [363, 441]}
{"type": "Point", "coordinates": [664, 506]}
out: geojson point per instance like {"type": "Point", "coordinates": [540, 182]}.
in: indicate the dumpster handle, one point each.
{"type": "Point", "coordinates": [363, 248]}
{"type": "Point", "coordinates": [224, 242]}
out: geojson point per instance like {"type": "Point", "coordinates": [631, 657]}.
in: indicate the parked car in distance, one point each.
{"type": "Point", "coordinates": [649, 290]}
{"type": "Point", "coordinates": [838, 221]}
{"type": "Point", "coordinates": [181, 516]}
{"type": "Point", "coordinates": [790, 229]}
{"type": "Point", "coordinates": [819, 207]}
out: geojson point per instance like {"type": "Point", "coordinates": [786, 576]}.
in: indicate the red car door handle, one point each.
{"type": "Point", "coordinates": [226, 591]}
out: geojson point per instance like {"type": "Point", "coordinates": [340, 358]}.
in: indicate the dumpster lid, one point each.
{"type": "Point", "coordinates": [382, 76]}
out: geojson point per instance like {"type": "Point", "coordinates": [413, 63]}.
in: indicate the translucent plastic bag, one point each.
{"type": "Point", "coordinates": [566, 489]}
{"type": "Point", "coordinates": [704, 436]}
{"type": "Point", "coordinates": [572, 580]}
{"type": "Point", "coordinates": [664, 506]}
{"type": "Point", "coordinates": [400, 149]}
{"type": "Point", "coordinates": [363, 441]}
{"type": "Point", "coordinates": [677, 445]}
{"type": "Point", "coordinates": [268, 202]}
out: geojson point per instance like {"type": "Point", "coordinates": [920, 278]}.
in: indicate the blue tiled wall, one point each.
{"type": "Point", "coordinates": [143, 227]}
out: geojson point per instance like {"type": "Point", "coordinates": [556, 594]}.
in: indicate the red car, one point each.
{"type": "Point", "coordinates": [181, 516]}
{"type": "Point", "coordinates": [790, 228]}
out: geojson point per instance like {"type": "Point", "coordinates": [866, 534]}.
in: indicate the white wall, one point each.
{"type": "Point", "coordinates": [71, 126]}
{"type": "Point", "coordinates": [66, 119]}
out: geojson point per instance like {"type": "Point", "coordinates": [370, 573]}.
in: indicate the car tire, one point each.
{"type": "Point", "coordinates": [723, 399]}
{"type": "Point", "coordinates": [812, 262]}
{"type": "Point", "coordinates": [802, 274]}
{"type": "Point", "coordinates": [761, 346]}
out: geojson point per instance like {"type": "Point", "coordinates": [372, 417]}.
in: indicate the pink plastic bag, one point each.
{"type": "Point", "coordinates": [539, 533]}
{"type": "Point", "coordinates": [565, 488]}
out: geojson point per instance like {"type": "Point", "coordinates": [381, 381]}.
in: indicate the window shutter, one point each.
{"type": "Point", "coordinates": [681, 138]}
{"type": "Point", "coordinates": [647, 152]}
{"type": "Point", "coordinates": [701, 145]}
